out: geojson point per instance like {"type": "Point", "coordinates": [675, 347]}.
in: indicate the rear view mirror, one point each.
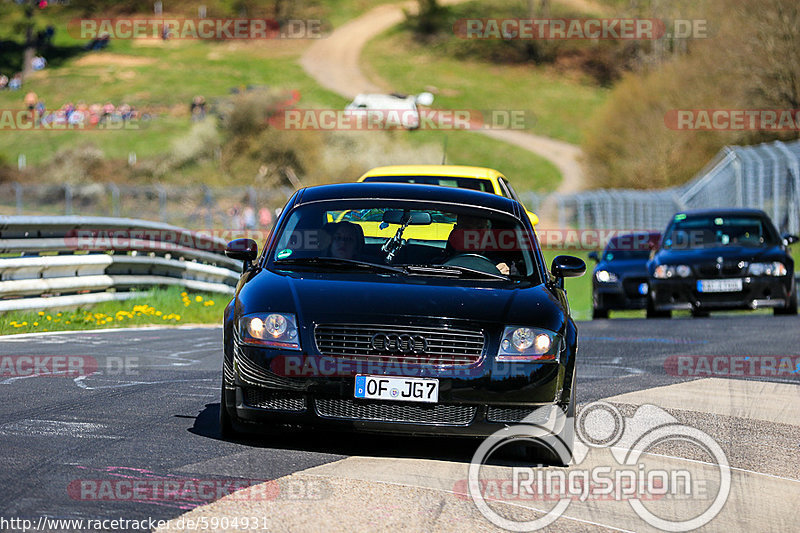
{"type": "Point", "coordinates": [594, 257]}
{"type": "Point", "coordinates": [245, 250]}
{"type": "Point", "coordinates": [566, 266]}
{"type": "Point", "coordinates": [412, 218]}
{"type": "Point", "coordinates": [790, 239]}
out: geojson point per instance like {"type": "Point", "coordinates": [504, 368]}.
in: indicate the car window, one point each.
{"type": "Point", "coordinates": [361, 229]}
{"type": "Point", "coordinates": [476, 184]}
{"type": "Point", "coordinates": [711, 231]}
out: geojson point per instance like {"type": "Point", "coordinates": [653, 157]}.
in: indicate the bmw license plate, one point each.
{"type": "Point", "coordinates": [397, 388]}
{"type": "Point", "coordinates": [719, 285]}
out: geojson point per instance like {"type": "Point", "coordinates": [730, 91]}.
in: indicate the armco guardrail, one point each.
{"type": "Point", "coordinates": [57, 261]}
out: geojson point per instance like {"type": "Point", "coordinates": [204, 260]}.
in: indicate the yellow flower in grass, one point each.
{"type": "Point", "coordinates": [183, 294]}
{"type": "Point", "coordinates": [158, 313]}
{"type": "Point", "coordinates": [41, 313]}
{"type": "Point", "coordinates": [198, 298]}
{"type": "Point", "coordinates": [24, 324]}
{"type": "Point", "coordinates": [48, 317]}
{"type": "Point", "coordinates": [35, 324]}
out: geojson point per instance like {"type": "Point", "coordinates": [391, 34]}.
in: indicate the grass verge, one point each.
{"type": "Point", "coordinates": [170, 306]}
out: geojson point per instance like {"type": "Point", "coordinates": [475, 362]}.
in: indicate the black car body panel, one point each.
{"type": "Point", "coordinates": [624, 259]}
{"type": "Point", "coordinates": [313, 386]}
{"type": "Point", "coordinates": [728, 261]}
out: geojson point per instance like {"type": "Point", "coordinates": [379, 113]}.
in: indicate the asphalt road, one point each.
{"type": "Point", "coordinates": [68, 442]}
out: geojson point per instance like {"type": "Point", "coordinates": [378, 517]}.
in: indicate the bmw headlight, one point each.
{"type": "Point", "coordinates": [775, 268]}
{"type": "Point", "coordinates": [276, 330]}
{"type": "Point", "coordinates": [522, 344]}
{"type": "Point", "coordinates": [672, 271]}
{"type": "Point", "coordinates": [604, 276]}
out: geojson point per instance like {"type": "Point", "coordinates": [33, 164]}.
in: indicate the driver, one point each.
{"type": "Point", "coordinates": [347, 240]}
{"type": "Point", "coordinates": [470, 227]}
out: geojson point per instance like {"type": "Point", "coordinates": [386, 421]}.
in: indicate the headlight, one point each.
{"type": "Point", "coordinates": [277, 330]}
{"type": "Point", "coordinates": [671, 271]}
{"type": "Point", "coordinates": [604, 276]}
{"type": "Point", "coordinates": [775, 268]}
{"type": "Point", "coordinates": [523, 344]}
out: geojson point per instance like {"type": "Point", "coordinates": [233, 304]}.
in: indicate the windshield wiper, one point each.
{"type": "Point", "coordinates": [452, 270]}
{"type": "Point", "coordinates": [335, 262]}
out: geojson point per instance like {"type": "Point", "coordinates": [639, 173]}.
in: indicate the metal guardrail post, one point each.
{"type": "Point", "coordinates": [18, 196]}
{"type": "Point", "coordinates": [208, 201]}
{"type": "Point", "coordinates": [67, 199]}
{"type": "Point", "coordinates": [162, 203]}
{"type": "Point", "coordinates": [114, 199]}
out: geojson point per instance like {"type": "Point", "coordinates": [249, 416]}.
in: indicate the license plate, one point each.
{"type": "Point", "coordinates": [397, 388]}
{"type": "Point", "coordinates": [719, 285]}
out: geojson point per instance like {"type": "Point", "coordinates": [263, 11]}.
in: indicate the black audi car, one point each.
{"type": "Point", "coordinates": [401, 309]}
{"type": "Point", "coordinates": [619, 280]}
{"type": "Point", "coordinates": [721, 259]}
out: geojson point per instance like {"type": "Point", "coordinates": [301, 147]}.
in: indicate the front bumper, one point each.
{"type": "Point", "coordinates": [473, 402]}
{"type": "Point", "coordinates": [756, 293]}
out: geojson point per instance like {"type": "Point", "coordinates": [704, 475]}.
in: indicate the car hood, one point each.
{"type": "Point", "coordinates": [727, 253]}
{"type": "Point", "coordinates": [369, 298]}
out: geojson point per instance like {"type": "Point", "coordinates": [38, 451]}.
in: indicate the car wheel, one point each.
{"type": "Point", "coordinates": [540, 454]}
{"type": "Point", "coordinates": [599, 313]}
{"type": "Point", "coordinates": [791, 308]}
{"type": "Point", "coordinates": [226, 429]}
{"type": "Point", "coordinates": [698, 313]}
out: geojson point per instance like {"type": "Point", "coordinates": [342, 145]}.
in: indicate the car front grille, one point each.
{"type": "Point", "coordinates": [433, 414]}
{"type": "Point", "coordinates": [631, 287]}
{"type": "Point", "coordinates": [275, 400]}
{"type": "Point", "coordinates": [517, 414]}
{"type": "Point", "coordinates": [724, 270]}
{"type": "Point", "coordinates": [420, 345]}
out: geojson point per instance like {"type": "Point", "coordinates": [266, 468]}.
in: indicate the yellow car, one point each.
{"type": "Point", "coordinates": [476, 178]}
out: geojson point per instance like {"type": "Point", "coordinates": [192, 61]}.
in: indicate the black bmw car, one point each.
{"type": "Point", "coordinates": [400, 309]}
{"type": "Point", "coordinates": [619, 280]}
{"type": "Point", "coordinates": [721, 259]}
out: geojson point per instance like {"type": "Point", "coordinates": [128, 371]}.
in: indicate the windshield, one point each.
{"type": "Point", "coordinates": [476, 184]}
{"type": "Point", "coordinates": [410, 237]}
{"type": "Point", "coordinates": [714, 231]}
{"type": "Point", "coordinates": [633, 246]}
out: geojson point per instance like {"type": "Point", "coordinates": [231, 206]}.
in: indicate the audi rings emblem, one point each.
{"type": "Point", "coordinates": [383, 342]}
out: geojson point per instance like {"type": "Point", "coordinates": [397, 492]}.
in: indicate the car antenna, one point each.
{"type": "Point", "coordinates": [444, 151]}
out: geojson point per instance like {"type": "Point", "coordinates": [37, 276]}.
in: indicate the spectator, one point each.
{"type": "Point", "coordinates": [100, 42]}
{"type": "Point", "coordinates": [265, 217]}
{"type": "Point", "coordinates": [38, 63]}
{"type": "Point", "coordinates": [198, 108]}
{"type": "Point", "coordinates": [16, 82]}
{"type": "Point", "coordinates": [30, 102]}
{"type": "Point", "coordinates": [3, 81]}
{"type": "Point", "coordinates": [249, 217]}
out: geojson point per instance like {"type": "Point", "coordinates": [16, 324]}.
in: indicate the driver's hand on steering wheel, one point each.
{"type": "Point", "coordinates": [507, 270]}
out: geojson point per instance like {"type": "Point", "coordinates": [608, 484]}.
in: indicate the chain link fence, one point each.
{"type": "Point", "coordinates": [197, 207]}
{"type": "Point", "coordinates": [765, 176]}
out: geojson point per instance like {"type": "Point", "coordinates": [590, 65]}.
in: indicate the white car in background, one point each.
{"type": "Point", "coordinates": [405, 106]}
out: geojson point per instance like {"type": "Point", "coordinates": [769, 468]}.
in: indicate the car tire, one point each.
{"type": "Point", "coordinates": [542, 454]}
{"type": "Point", "coordinates": [226, 429]}
{"type": "Point", "coordinates": [791, 308]}
{"type": "Point", "coordinates": [598, 313]}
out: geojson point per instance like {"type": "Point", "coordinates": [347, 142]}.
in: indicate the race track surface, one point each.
{"type": "Point", "coordinates": [71, 443]}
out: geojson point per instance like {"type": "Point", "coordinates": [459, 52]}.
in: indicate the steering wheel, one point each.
{"type": "Point", "coordinates": [473, 261]}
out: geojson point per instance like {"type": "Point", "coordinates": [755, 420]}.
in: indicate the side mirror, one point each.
{"type": "Point", "coordinates": [566, 266]}
{"type": "Point", "coordinates": [594, 257]}
{"type": "Point", "coordinates": [245, 250]}
{"type": "Point", "coordinates": [789, 239]}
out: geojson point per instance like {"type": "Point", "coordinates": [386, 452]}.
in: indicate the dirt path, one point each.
{"type": "Point", "coordinates": [335, 63]}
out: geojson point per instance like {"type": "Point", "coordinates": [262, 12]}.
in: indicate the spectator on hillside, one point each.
{"type": "Point", "coordinates": [198, 108]}
{"type": "Point", "coordinates": [3, 81]}
{"type": "Point", "coordinates": [16, 82]}
{"type": "Point", "coordinates": [265, 217]}
{"type": "Point", "coordinates": [30, 102]}
{"type": "Point", "coordinates": [100, 42]}
{"type": "Point", "coordinates": [249, 215]}
{"type": "Point", "coordinates": [38, 63]}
